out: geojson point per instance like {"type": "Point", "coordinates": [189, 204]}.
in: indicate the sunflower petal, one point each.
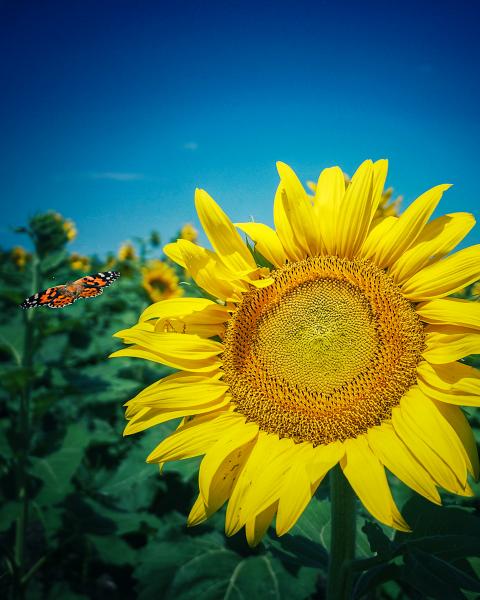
{"type": "Point", "coordinates": [296, 494]}
{"type": "Point", "coordinates": [194, 438]}
{"type": "Point", "coordinates": [458, 421]}
{"type": "Point", "coordinates": [408, 227]}
{"type": "Point", "coordinates": [355, 211]}
{"type": "Point", "coordinates": [257, 527]}
{"type": "Point", "coordinates": [179, 308]}
{"type": "Point", "coordinates": [367, 477]}
{"type": "Point", "coordinates": [266, 242]}
{"type": "Point", "coordinates": [393, 453]}
{"type": "Point", "coordinates": [444, 277]}
{"type": "Point", "coordinates": [448, 343]}
{"type": "Point", "coordinates": [437, 239]}
{"type": "Point", "coordinates": [300, 212]}
{"type": "Point", "coordinates": [283, 227]}
{"type": "Point", "coordinates": [375, 236]}
{"type": "Point", "coordinates": [222, 234]}
{"type": "Point", "coordinates": [454, 383]}
{"type": "Point", "coordinates": [329, 194]}
{"type": "Point", "coordinates": [425, 452]}
{"type": "Point", "coordinates": [450, 311]}
{"type": "Point", "coordinates": [223, 463]}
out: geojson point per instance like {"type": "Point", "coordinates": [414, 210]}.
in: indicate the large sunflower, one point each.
{"type": "Point", "coordinates": [345, 351]}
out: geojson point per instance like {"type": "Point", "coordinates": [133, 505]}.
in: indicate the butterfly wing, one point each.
{"type": "Point", "coordinates": [46, 298]}
{"type": "Point", "coordinates": [99, 280]}
{"type": "Point", "coordinates": [90, 292]}
{"type": "Point", "coordinates": [61, 300]}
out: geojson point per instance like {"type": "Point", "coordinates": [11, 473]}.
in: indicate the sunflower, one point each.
{"type": "Point", "coordinates": [79, 262]}
{"type": "Point", "coordinates": [160, 281]}
{"type": "Point", "coordinates": [346, 351]}
{"type": "Point", "coordinates": [19, 256]}
{"type": "Point", "coordinates": [188, 232]}
{"type": "Point", "coordinates": [127, 252]}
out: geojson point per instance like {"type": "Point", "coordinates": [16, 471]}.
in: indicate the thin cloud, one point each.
{"type": "Point", "coordinates": [192, 146]}
{"type": "Point", "coordinates": [118, 176]}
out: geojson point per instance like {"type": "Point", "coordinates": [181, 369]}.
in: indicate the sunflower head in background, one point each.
{"type": "Point", "coordinates": [78, 262]}
{"type": "Point", "coordinates": [127, 252]}
{"type": "Point", "coordinates": [346, 350]}
{"type": "Point", "coordinates": [189, 233]}
{"type": "Point", "coordinates": [160, 281]}
{"type": "Point", "coordinates": [19, 257]}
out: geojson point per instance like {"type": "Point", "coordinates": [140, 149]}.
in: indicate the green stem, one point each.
{"type": "Point", "coordinates": [342, 543]}
{"type": "Point", "coordinates": [24, 436]}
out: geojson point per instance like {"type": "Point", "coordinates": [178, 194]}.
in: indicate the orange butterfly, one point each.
{"type": "Point", "coordinates": [63, 295]}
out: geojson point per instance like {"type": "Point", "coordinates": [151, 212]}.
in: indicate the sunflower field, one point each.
{"type": "Point", "coordinates": [84, 516]}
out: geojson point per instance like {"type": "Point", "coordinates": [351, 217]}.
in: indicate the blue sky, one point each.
{"type": "Point", "coordinates": [113, 112]}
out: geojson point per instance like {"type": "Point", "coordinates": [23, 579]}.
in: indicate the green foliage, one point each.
{"type": "Point", "coordinates": [103, 523]}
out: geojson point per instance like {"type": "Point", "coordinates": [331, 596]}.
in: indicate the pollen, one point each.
{"type": "Point", "coordinates": [323, 353]}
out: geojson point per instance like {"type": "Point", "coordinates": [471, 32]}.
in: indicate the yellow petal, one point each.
{"type": "Point", "coordinates": [425, 453]}
{"type": "Point", "coordinates": [408, 227]}
{"type": "Point", "coordinates": [296, 494]}
{"type": "Point", "coordinates": [271, 475]}
{"type": "Point", "coordinates": [179, 308]}
{"type": "Point", "coordinates": [448, 343]}
{"type": "Point", "coordinates": [180, 351]}
{"type": "Point", "coordinates": [393, 453]}
{"type": "Point", "coordinates": [437, 239]}
{"type": "Point", "coordinates": [195, 366]}
{"type": "Point", "coordinates": [328, 197]}
{"type": "Point", "coordinates": [458, 421]}
{"type": "Point", "coordinates": [426, 421]}
{"type": "Point", "coordinates": [380, 170]}
{"type": "Point", "coordinates": [223, 463]}
{"type": "Point", "coordinates": [374, 238]}
{"type": "Point", "coordinates": [300, 212]}
{"type": "Point", "coordinates": [198, 514]}
{"type": "Point", "coordinates": [173, 252]}
{"type": "Point", "coordinates": [181, 389]}
{"type": "Point", "coordinates": [284, 229]}
{"type": "Point", "coordinates": [154, 416]}
{"type": "Point", "coordinates": [454, 383]}
{"type": "Point", "coordinates": [194, 437]}
{"type": "Point", "coordinates": [266, 242]}
{"type": "Point", "coordinates": [257, 527]}
{"type": "Point", "coordinates": [444, 277]}
{"type": "Point", "coordinates": [209, 272]}
{"type": "Point", "coordinates": [355, 212]}
{"type": "Point", "coordinates": [450, 311]}
{"type": "Point", "coordinates": [264, 448]}
{"type": "Point", "coordinates": [367, 477]}
{"type": "Point", "coordinates": [222, 234]}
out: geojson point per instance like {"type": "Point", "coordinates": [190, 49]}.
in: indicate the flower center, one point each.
{"type": "Point", "coordinates": [325, 352]}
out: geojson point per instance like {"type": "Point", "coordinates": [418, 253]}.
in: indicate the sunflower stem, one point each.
{"type": "Point", "coordinates": [24, 438]}
{"type": "Point", "coordinates": [342, 542]}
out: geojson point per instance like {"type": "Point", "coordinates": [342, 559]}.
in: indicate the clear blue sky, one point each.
{"type": "Point", "coordinates": [112, 112]}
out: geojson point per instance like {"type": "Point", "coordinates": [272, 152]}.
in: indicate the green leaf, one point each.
{"type": "Point", "coordinates": [436, 578]}
{"type": "Point", "coordinates": [112, 549]}
{"type": "Point", "coordinates": [201, 567]}
{"type": "Point", "coordinates": [8, 513]}
{"type": "Point", "coordinates": [56, 470]}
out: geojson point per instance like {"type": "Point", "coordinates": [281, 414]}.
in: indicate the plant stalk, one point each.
{"type": "Point", "coordinates": [342, 542]}
{"type": "Point", "coordinates": [24, 435]}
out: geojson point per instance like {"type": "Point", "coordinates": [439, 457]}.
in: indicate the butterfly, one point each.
{"type": "Point", "coordinates": [63, 295]}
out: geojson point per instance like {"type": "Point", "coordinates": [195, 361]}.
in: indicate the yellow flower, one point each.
{"type": "Point", "coordinates": [189, 233]}
{"type": "Point", "coordinates": [79, 262]}
{"type": "Point", "coordinates": [127, 252]}
{"type": "Point", "coordinates": [160, 281]}
{"type": "Point", "coordinates": [347, 351]}
{"type": "Point", "coordinates": [476, 290]}
{"type": "Point", "coordinates": [19, 256]}
{"type": "Point", "coordinates": [70, 229]}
